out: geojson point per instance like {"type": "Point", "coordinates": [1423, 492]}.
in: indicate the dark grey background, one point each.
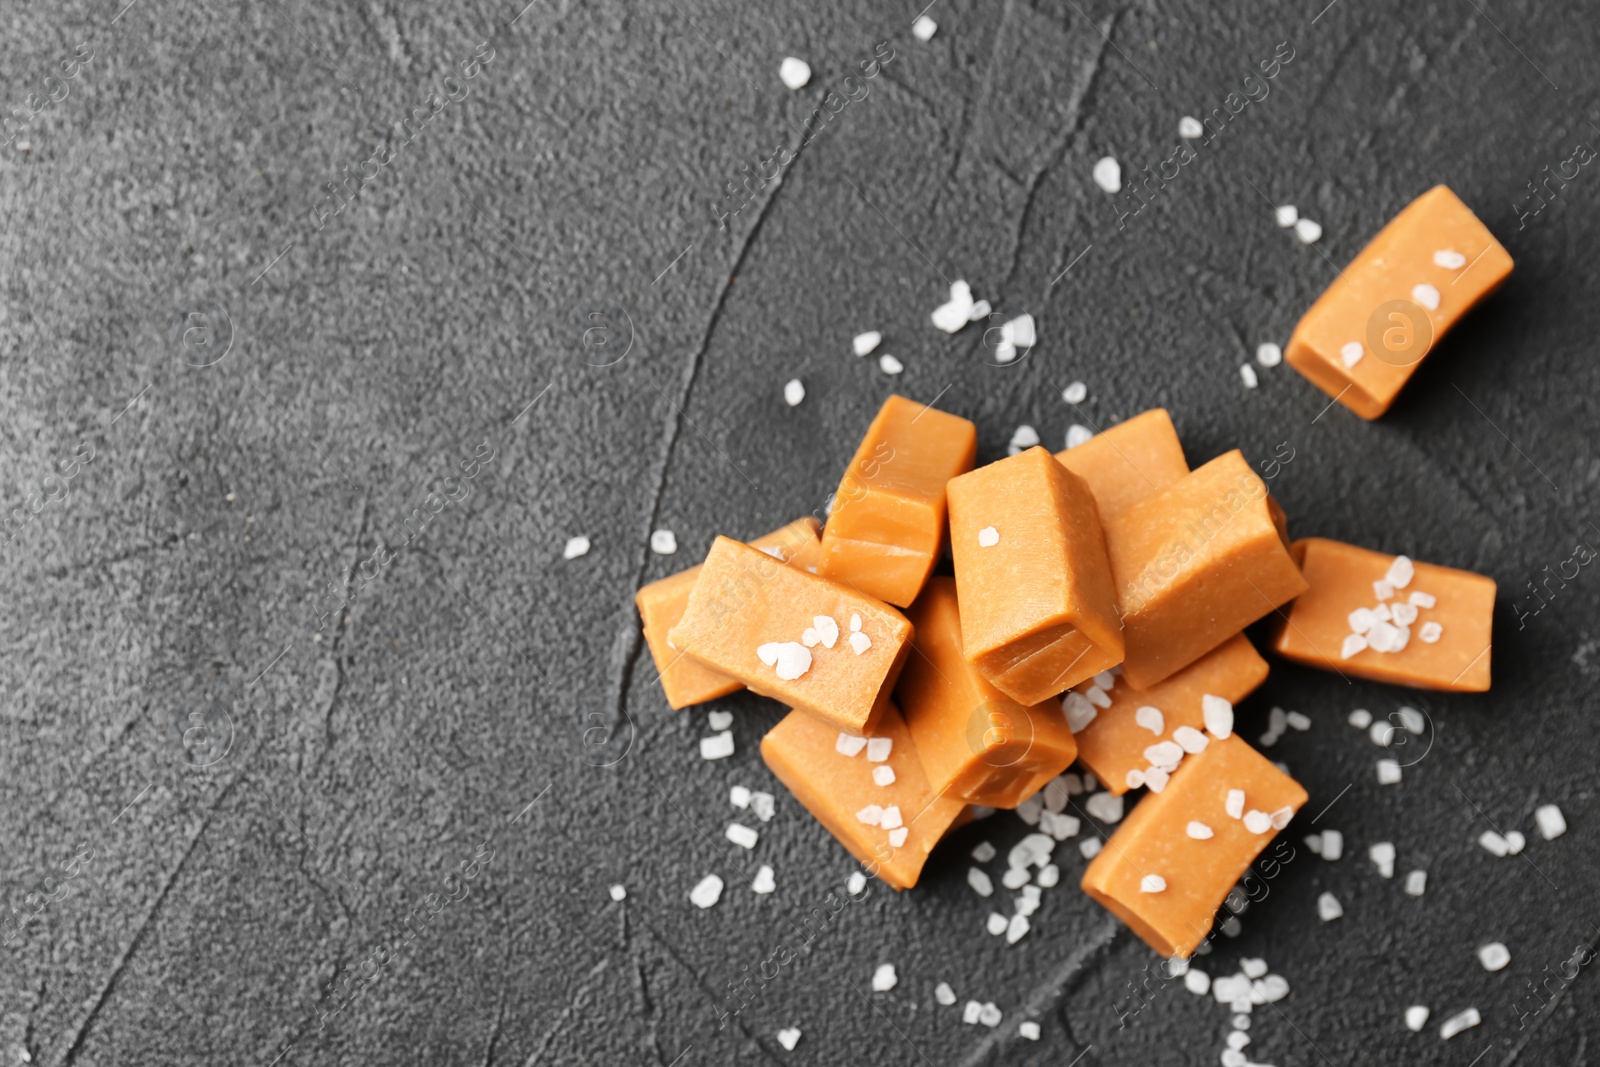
{"type": "Point", "coordinates": [348, 772]}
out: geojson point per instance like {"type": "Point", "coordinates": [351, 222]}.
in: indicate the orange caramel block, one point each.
{"type": "Point", "coordinates": [755, 619]}
{"type": "Point", "coordinates": [684, 681]}
{"type": "Point", "coordinates": [976, 743]}
{"type": "Point", "coordinates": [802, 751]}
{"type": "Point", "coordinates": [1038, 610]}
{"type": "Point", "coordinates": [1197, 563]}
{"type": "Point", "coordinates": [1453, 657]}
{"type": "Point", "coordinates": [1167, 884]}
{"type": "Point", "coordinates": [1114, 742]}
{"type": "Point", "coordinates": [1365, 336]}
{"type": "Point", "coordinates": [884, 532]}
{"type": "Point", "coordinates": [1128, 462]}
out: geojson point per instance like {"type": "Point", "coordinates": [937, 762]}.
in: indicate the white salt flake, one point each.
{"type": "Point", "coordinates": [1332, 844]}
{"type": "Point", "coordinates": [1361, 620]}
{"type": "Point", "coordinates": [1257, 822]}
{"type": "Point", "coordinates": [988, 537]}
{"type": "Point", "coordinates": [663, 542]}
{"type": "Point", "coordinates": [856, 883]}
{"type": "Point", "coordinates": [1247, 374]}
{"type": "Point", "coordinates": [1552, 824]}
{"type": "Point", "coordinates": [618, 892]}
{"type": "Point", "coordinates": [765, 805]}
{"type": "Point", "coordinates": [878, 748]}
{"type": "Point", "coordinates": [764, 882]}
{"type": "Point", "coordinates": [1309, 232]}
{"type": "Point", "coordinates": [984, 852]}
{"type": "Point", "coordinates": [719, 720]}
{"type": "Point", "coordinates": [1515, 842]}
{"type": "Point", "coordinates": [1382, 856]}
{"type": "Point", "coordinates": [1430, 632]}
{"type": "Point", "coordinates": [1383, 589]}
{"type": "Point", "coordinates": [1416, 1018]}
{"type": "Point", "coordinates": [1199, 830]}
{"type": "Point", "coordinates": [1197, 982]}
{"type": "Point", "coordinates": [1134, 779]}
{"type": "Point", "coordinates": [872, 814]}
{"type": "Point", "coordinates": [1190, 740]}
{"type": "Point", "coordinates": [1272, 988]}
{"type": "Point", "coordinates": [1449, 260]}
{"type": "Point", "coordinates": [1049, 876]}
{"type": "Point", "coordinates": [1494, 844]}
{"type": "Point", "coordinates": [1097, 697]}
{"type": "Point", "coordinates": [849, 744]}
{"type": "Point", "coordinates": [794, 391]}
{"type": "Point", "coordinates": [1360, 718]}
{"type": "Point", "coordinates": [891, 817]}
{"type": "Point", "coordinates": [789, 1038]}
{"type": "Point", "coordinates": [1351, 353]}
{"type": "Point", "coordinates": [897, 836]}
{"type": "Point", "coordinates": [889, 365]}
{"type": "Point", "coordinates": [1389, 772]}
{"type": "Point", "coordinates": [706, 892]}
{"type": "Point", "coordinates": [1077, 435]}
{"type": "Point", "coordinates": [794, 659]}
{"type": "Point", "coordinates": [980, 881]}
{"type": "Point", "coordinates": [577, 546]}
{"type": "Point", "coordinates": [1105, 807]}
{"type": "Point", "coordinates": [1151, 719]}
{"type": "Point", "coordinates": [1080, 712]}
{"type": "Point", "coordinates": [1286, 216]}
{"type": "Point", "coordinates": [1421, 599]}
{"type": "Point", "coordinates": [1076, 393]}
{"type": "Point", "coordinates": [1152, 883]}
{"type": "Point", "coordinates": [995, 924]}
{"type": "Point", "coordinates": [1456, 1023]}
{"type": "Point", "coordinates": [717, 746]}
{"type": "Point", "coordinates": [859, 642]}
{"type": "Point", "coordinates": [1417, 883]}
{"type": "Point", "coordinates": [1089, 847]}
{"type": "Point", "coordinates": [1156, 778]}
{"type": "Point", "coordinates": [883, 775]}
{"type": "Point", "coordinates": [1234, 804]}
{"type": "Point", "coordinates": [1298, 721]}
{"type": "Point", "coordinates": [1353, 643]}
{"type": "Point", "coordinates": [1029, 1030]}
{"type": "Point", "coordinates": [1019, 331]}
{"type": "Point", "coordinates": [1218, 715]}
{"type": "Point", "coordinates": [794, 73]}
{"type": "Point", "coordinates": [826, 629]}
{"type": "Point", "coordinates": [1189, 128]}
{"type": "Point", "coordinates": [990, 1015]}
{"type": "Point", "coordinates": [944, 994]}
{"type": "Point", "coordinates": [741, 835]}
{"type": "Point", "coordinates": [1108, 175]}
{"type": "Point", "coordinates": [1269, 354]}
{"type": "Point", "coordinates": [1401, 571]}
{"type": "Point", "coordinates": [970, 1012]}
{"type": "Point", "coordinates": [1016, 928]}
{"type": "Point", "coordinates": [1253, 967]}
{"type": "Point", "coordinates": [924, 28]}
{"type": "Point", "coordinates": [1024, 437]}
{"type": "Point", "coordinates": [1328, 907]}
{"type": "Point", "coordinates": [1427, 296]}
{"type": "Point", "coordinates": [864, 343]}
{"type": "Point", "coordinates": [1164, 754]}
{"type": "Point", "coordinates": [884, 978]}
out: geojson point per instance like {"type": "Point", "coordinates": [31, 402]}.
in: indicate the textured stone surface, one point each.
{"type": "Point", "coordinates": [212, 809]}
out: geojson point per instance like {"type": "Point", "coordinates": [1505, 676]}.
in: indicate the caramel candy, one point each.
{"type": "Point", "coordinates": [884, 532]}
{"type": "Point", "coordinates": [1038, 610]}
{"type": "Point", "coordinates": [889, 828]}
{"type": "Point", "coordinates": [1197, 563]}
{"type": "Point", "coordinates": [789, 635]}
{"type": "Point", "coordinates": [1431, 630]}
{"type": "Point", "coordinates": [1169, 866]}
{"type": "Point", "coordinates": [1128, 462]}
{"type": "Point", "coordinates": [1114, 741]}
{"type": "Point", "coordinates": [1367, 334]}
{"type": "Point", "coordinates": [661, 603]}
{"type": "Point", "coordinates": [976, 743]}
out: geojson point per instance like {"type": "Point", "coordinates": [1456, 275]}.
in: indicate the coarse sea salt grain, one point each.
{"type": "Point", "coordinates": [995, 924]}
{"type": "Point", "coordinates": [1329, 908]}
{"type": "Point", "coordinates": [856, 883]}
{"type": "Point", "coordinates": [1152, 883]}
{"type": "Point", "coordinates": [1382, 856]}
{"type": "Point", "coordinates": [1465, 1020]}
{"type": "Point", "coordinates": [1515, 842]}
{"type": "Point", "coordinates": [1351, 353]}
{"type": "Point", "coordinates": [1089, 847]}
{"type": "Point", "coordinates": [924, 28]}
{"type": "Point", "coordinates": [1332, 844]}
{"type": "Point", "coordinates": [1218, 714]}
{"type": "Point", "coordinates": [970, 1012]}
{"type": "Point", "coordinates": [1427, 296]}
{"type": "Point", "coordinates": [789, 1037]}
{"type": "Point", "coordinates": [1105, 807]}
{"type": "Point", "coordinates": [1388, 772]}
{"type": "Point", "coordinates": [1234, 803]}
{"type": "Point", "coordinates": [1016, 928]}
{"type": "Point", "coordinates": [1269, 354]}
{"type": "Point", "coordinates": [1309, 232]}
{"type": "Point", "coordinates": [1190, 740]}
{"type": "Point", "coordinates": [1029, 1030]}
{"type": "Point", "coordinates": [1449, 260]}
{"type": "Point", "coordinates": [864, 343]}
{"type": "Point", "coordinates": [794, 73]}
{"type": "Point", "coordinates": [878, 748]}
{"type": "Point", "coordinates": [988, 537]}
{"type": "Point", "coordinates": [1076, 393]}
{"type": "Point", "coordinates": [944, 994]}
{"type": "Point", "coordinates": [1151, 719]}
{"type": "Point", "coordinates": [1199, 830]}
{"type": "Point", "coordinates": [618, 892]}
{"type": "Point", "coordinates": [706, 892]}
{"type": "Point", "coordinates": [883, 775]}
{"type": "Point", "coordinates": [717, 746]}
{"type": "Point", "coordinates": [859, 642]}
{"type": "Point", "coordinates": [1108, 175]}
{"type": "Point", "coordinates": [849, 744]}
{"type": "Point", "coordinates": [1077, 435]}
{"type": "Point", "coordinates": [663, 542]}
{"type": "Point", "coordinates": [1189, 128]}
{"type": "Point", "coordinates": [1417, 883]}
{"type": "Point", "coordinates": [1416, 1017]}
{"type": "Point", "coordinates": [719, 720]}
{"type": "Point", "coordinates": [980, 881]}
{"type": "Point", "coordinates": [889, 365]}
{"type": "Point", "coordinates": [884, 978]}
{"type": "Point", "coordinates": [1286, 215]}
{"type": "Point", "coordinates": [765, 805]}
{"type": "Point", "coordinates": [1197, 982]}
{"type": "Point", "coordinates": [794, 392]}
{"type": "Point", "coordinates": [1360, 718]}
{"type": "Point", "coordinates": [1552, 824]}
{"type": "Point", "coordinates": [1430, 632]}
{"type": "Point", "coordinates": [1247, 375]}
{"type": "Point", "coordinates": [764, 882]}
{"type": "Point", "coordinates": [741, 835]}
{"type": "Point", "coordinates": [1494, 844]}
{"type": "Point", "coordinates": [576, 546]}
{"type": "Point", "coordinates": [793, 660]}
{"type": "Point", "coordinates": [1257, 822]}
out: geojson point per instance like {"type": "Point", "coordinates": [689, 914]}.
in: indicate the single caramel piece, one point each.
{"type": "Point", "coordinates": [838, 790]}
{"type": "Point", "coordinates": [1365, 336]}
{"type": "Point", "coordinates": [1038, 611]}
{"type": "Point", "coordinates": [661, 603]}
{"type": "Point", "coordinates": [794, 637]}
{"type": "Point", "coordinates": [1128, 462]}
{"type": "Point", "coordinates": [1114, 741]}
{"type": "Point", "coordinates": [1197, 563]}
{"type": "Point", "coordinates": [884, 532]}
{"type": "Point", "coordinates": [1169, 866]}
{"type": "Point", "coordinates": [1442, 646]}
{"type": "Point", "coordinates": [976, 743]}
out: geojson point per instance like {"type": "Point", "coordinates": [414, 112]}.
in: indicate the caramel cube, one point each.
{"type": "Point", "coordinates": [1114, 741]}
{"type": "Point", "coordinates": [1431, 631]}
{"type": "Point", "coordinates": [1197, 563]}
{"type": "Point", "coordinates": [808, 642]}
{"type": "Point", "coordinates": [684, 681]}
{"type": "Point", "coordinates": [976, 743]}
{"type": "Point", "coordinates": [887, 524]}
{"type": "Point", "coordinates": [1169, 866]}
{"type": "Point", "coordinates": [841, 792]}
{"type": "Point", "coordinates": [1130, 461]}
{"type": "Point", "coordinates": [1367, 334]}
{"type": "Point", "coordinates": [1038, 610]}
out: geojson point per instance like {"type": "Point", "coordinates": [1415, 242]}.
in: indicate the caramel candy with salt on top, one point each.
{"type": "Point", "coordinates": [801, 752]}
{"type": "Point", "coordinates": [1154, 842]}
{"type": "Point", "coordinates": [1342, 578]}
{"type": "Point", "coordinates": [1038, 610]}
{"type": "Point", "coordinates": [1114, 741]}
{"type": "Point", "coordinates": [1378, 307]}
{"type": "Point", "coordinates": [749, 617]}
{"type": "Point", "coordinates": [1197, 563]}
{"type": "Point", "coordinates": [684, 681]}
{"type": "Point", "coordinates": [976, 743]}
{"type": "Point", "coordinates": [1128, 462]}
{"type": "Point", "coordinates": [884, 532]}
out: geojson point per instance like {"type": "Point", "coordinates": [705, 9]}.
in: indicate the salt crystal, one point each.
{"type": "Point", "coordinates": [1247, 374]}
{"type": "Point", "coordinates": [1388, 772]}
{"type": "Point", "coordinates": [1108, 175]}
{"type": "Point", "coordinates": [884, 978]}
{"type": "Point", "coordinates": [717, 746]}
{"type": "Point", "coordinates": [1427, 296]}
{"type": "Point", "coordinates": [577, 546]}
{"type": "Point", "coordinates": [864, 343]}
{"type": "Point", "coordinates": [1286, 216]}
{"type": "Point", "coordinates": [1076, 393]}
{"type": "Point", "coordinates": [707, 892]}
{"type": "Point", "coordinates": [1493, 843]}
{"type": "Point", "coordinates": [1382, 856]}
{"type": "Point", "coordinates": [1309, 232]}
{"type": "Point", "coordinates": [794, 391]}
{"type": "Point", "coordinates": [859, 642]}
{"type": "Point", "coordinates": [763, 883]}
{"type": "Point", "coordinates": [1417, 883]}
{"type": "Point", "coordinates": [1552, 824]}
{"type": "Point", "coordinates": [1218, 715]}
{"type": "Point", "coordinates": [988, 537]}
{"type": "Point", "coordinates": [883, 775]}
{"type": "Point", "coordinates": [1077, 435]}
{"type": "Point", "coordinates": [618, 892]}
{"type": "Point", "coordinates": [980, 882]}
{"type": "Point", "coordinates": [1449, 260]}
{"type": "Point", "coordinates": [1190, 740]}
{"type": "Point", "coordinates": [849, 744]}
{"type": "Point", "coordinates": [889, 365]}
{"type": "Point", "coordinates": [1269, 354]}
{"type": "Point", "coordinates": [741, 835]}
{"type": "Point", "coordinates": [794, 72]}
{"type": "Point", "coordinates": [1152, 883]}
{"type": "Point", "coordinates": [1351, 353]}
{"type": "Point", "coordinates": [1456, 1023]}
{"type": "Point", "coordinates": [1199, 830]}
{"type": "Point", "coordinates": [1189, 128]}
{"type": "Point", "coordinates": [923, 29]}
{"type": "Point", "coordinates": [1328, 907]}
{"type": "Point", "coordinates": [1401, 571]}
{"type": "Point", "coordinates": [944, 994]}
{"type": "Point", "coordinates": [1151, 719]}
{"type": "Point", "coordinates": [878, 748]}
{"type": "Point", "coordinates": [1416, 1018]}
